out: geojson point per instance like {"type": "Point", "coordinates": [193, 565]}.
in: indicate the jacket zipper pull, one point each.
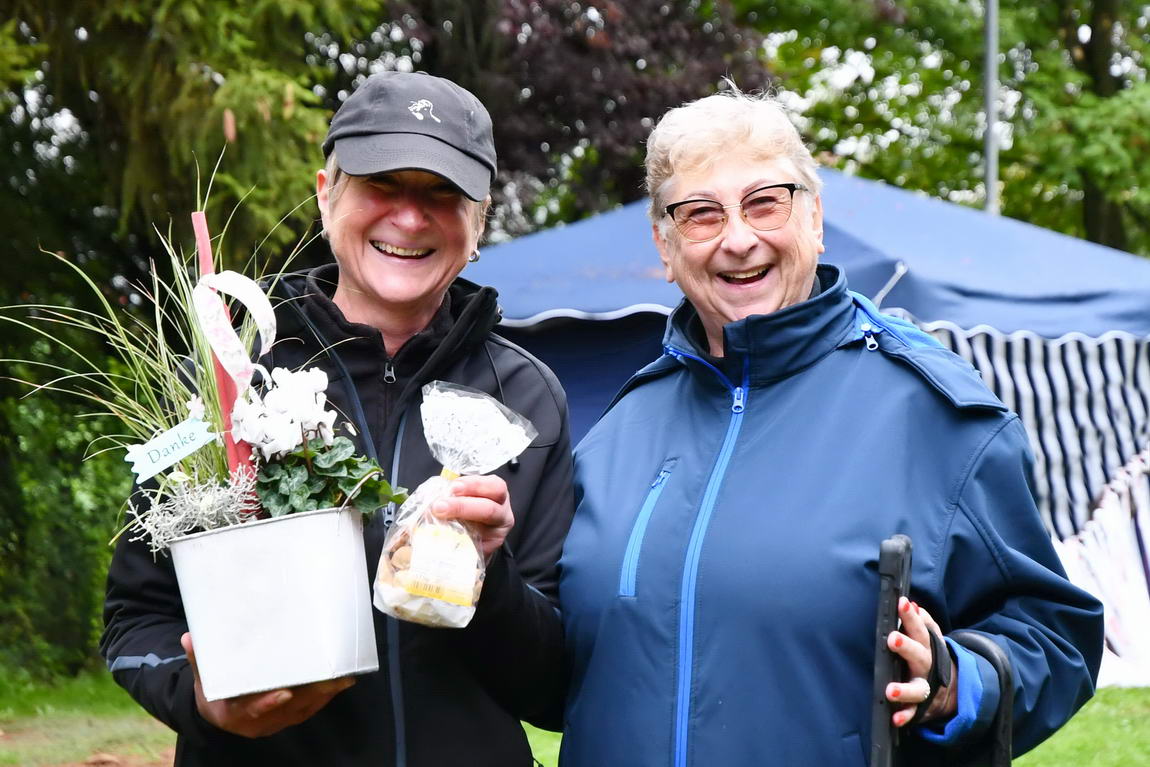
{"type": "Point", "coordinates": [739, 402]}
{"type": "Point", "coordinates": [868, 334]}
{"type": "Point", "coordinates": [660, 479]}
{"type": "Point", "coordinates": [388, 372]}
{"type": "Point", "coordinates": [388, 515]}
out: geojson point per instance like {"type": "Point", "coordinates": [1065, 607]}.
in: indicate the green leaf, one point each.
{"type": "Point", "coordinates": [293, 477]}
{"type": "Point", "coordinates": [329, 499]}
{"type": "Point", "coordinates": [376, 493]}
{"type": "Point", "coordinates": [275, 504]}
{"type": "Point", "coordinates": [341, 449]}
{"type": "Point", "coordinates": [299, 499]}
{"type": "Point", "coordinates": [368, 499]}
{"type": "Point", "coordinates": [338, 470]}
{"type": "Point", "coordinates": [269, 472]}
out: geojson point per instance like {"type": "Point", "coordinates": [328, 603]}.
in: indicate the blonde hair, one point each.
{"type": "Point", "coordinates": [695, 135]}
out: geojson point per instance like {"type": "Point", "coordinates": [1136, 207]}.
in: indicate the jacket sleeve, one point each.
{"type": "Point", "coordinates": [1000, 575]}
{"type": "Point", "coordinates": [143, 622]}
{"type": "Point", "coordinates": [514, 644]}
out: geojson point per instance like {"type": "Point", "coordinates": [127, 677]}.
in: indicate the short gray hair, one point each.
{"type": "Point", "coordinates": [693, 136]}
{"type": "Point", "coordinates": [337, 181]}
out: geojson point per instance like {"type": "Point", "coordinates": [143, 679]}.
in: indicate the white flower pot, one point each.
{"type": "Point", "coordinates": [277, 602]}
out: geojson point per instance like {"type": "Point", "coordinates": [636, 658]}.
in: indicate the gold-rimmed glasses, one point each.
{"type": "Point", "coordinates": [765, 208]}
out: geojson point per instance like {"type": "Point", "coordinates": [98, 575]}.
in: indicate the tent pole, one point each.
{"type": "Point", "coordinates": [990, 139]}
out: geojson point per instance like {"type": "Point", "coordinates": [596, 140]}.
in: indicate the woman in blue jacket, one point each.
{"type": "Point", "coordinates": [719, 582]}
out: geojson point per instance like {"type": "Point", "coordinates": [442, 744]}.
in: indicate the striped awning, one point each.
{"type": "Point", "coordinates": [1108, 558]}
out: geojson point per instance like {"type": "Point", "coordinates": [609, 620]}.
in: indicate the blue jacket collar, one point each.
{"type": "Point", "coordinates": [772, 346]}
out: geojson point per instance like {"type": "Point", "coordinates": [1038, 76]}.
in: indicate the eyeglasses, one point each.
{"type": "Point", "coordinates": [766, 208]}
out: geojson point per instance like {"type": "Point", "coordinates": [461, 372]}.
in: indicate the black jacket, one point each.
{"type": "Point", "coordinates": [441, 696]}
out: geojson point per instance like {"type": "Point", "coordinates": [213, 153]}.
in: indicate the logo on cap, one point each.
{"type": "Point", "coordinates": [417, 108]}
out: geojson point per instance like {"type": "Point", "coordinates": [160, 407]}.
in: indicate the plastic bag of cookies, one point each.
{"type": "Point", "coordinates": [431, 570]}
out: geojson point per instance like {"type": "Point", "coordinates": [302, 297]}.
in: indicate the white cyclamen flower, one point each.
{"type": "Point", "coordinates": [248, 417]}
{"type": "Point", "coordinates": [291, 410]}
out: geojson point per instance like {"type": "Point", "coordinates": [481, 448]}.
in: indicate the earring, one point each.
{"type": "Point", "coordinates": [473, 257]}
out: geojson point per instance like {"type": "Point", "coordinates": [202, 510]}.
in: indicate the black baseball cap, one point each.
{"type": "Point", "coordinates": [415, 121]}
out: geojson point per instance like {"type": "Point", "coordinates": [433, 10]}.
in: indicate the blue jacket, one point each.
{"type": "Point", "coordinates": [719, 583]}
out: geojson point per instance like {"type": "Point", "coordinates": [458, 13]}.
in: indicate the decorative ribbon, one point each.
{"type": "Point", "coordinates": [217, 327]}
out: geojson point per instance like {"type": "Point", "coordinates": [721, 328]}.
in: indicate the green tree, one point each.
{"type": "Point", "coordinates": [59, 514]}
{"type": "Point", "coordinates": [893, 89]}
{"type": "Point", "coordinates": [136, 100]}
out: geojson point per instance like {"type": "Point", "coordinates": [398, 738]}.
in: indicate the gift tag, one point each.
{"type": "Point", "coordinates": [164, 451]}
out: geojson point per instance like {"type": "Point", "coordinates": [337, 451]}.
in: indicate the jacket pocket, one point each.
{"type": "Point", "coordinates": [635, 542]}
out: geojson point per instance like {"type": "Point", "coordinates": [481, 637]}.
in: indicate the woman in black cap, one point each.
{"type": "Point", "coordinates": [410, 160]}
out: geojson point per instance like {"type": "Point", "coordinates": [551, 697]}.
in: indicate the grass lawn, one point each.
{"type": "Point", "coordinates": [73, 721]}
{"type": "Point", "coordinates": [1112, 730]}
{"type": "Point", "coordinates": [70, 723]}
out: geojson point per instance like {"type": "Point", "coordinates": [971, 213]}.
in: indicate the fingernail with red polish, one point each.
{"type": "Point", "coordinates": [905, 604]}
{"type": "Point", "coordinates": [895, 692]}
{"type": "Point", "coordinates": [898, 641]}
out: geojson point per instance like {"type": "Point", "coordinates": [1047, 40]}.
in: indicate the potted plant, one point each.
{"type": "Point", "coordinates": [241, 475]}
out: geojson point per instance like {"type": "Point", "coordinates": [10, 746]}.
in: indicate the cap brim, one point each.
{"type": "Point", "coordinates": [384, 152]}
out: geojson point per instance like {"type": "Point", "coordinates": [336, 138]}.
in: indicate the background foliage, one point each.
{"type": "Point", "coordinates": [116, 113]}
{"type": "Point", "coordinates": [893, 89]}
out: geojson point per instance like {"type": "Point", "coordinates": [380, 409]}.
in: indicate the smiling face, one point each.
{"type": "Point", "coordinates": [400, 239]}
{"type": "Point", "coordinates": [742, 271]}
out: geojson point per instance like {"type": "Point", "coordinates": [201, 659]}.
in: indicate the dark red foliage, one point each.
{"type": "Point", "coordinates": [557, 75]}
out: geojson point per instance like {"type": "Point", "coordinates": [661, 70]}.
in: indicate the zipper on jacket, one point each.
{"type": "Point", "coordinates": [738, 393]}
{"type": "Point", "coordinates": [868, 334]}
{"type": "Point", "coordinates": [635, 542]}
{"type": "Point", "coordinates": [392, 507]}
{"type": "Point", "coordinates": [691, 564]}
{"type": "Point", "coordinates": [389, 372]}
{"type": "Point", "coordinates": [394, 667]}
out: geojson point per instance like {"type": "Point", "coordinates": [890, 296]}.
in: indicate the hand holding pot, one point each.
{"type": "Point", "coordinates": [264, 713]}
{"type": "Point", "coordinates": [482, 502]}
